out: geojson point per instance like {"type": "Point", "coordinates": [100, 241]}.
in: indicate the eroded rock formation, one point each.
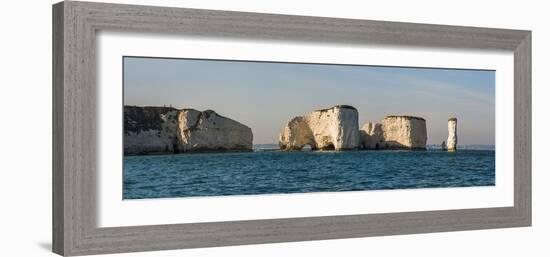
{"type": "Point", "coordinates": [371, 136]}
{"type": "Point", "coordinates": [335, 128]}
{"type": "Point", "coordinates": [452, 138]}
{"type": "Point", "coordinates": [395, 132]}
{"type": "Point", "coordinates": [207, 131]}
{"type": "Point", "coordinates": [151, 130]}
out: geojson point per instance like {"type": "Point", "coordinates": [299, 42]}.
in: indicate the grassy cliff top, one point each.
{"type": "Point", "coordinates": [343, 106]}
{"type": "Point", "coordinates": [405, 117]}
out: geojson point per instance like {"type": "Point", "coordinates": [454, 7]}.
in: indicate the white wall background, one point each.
{"type": "Point", "coordinates": [25, 128]}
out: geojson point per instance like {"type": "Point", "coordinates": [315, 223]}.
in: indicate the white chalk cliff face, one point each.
{"type": "Point", "coordinates": [452, 138]}
{"type": "Point", "coordinates": [155, 130]}
{"type": "Point", "coordinates": [207, 131]}
{"type": "Point", "coordinates": [395, 132]}
{"type": "Point", "coordinates": [335, 128]}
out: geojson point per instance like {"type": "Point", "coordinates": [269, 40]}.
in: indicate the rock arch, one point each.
{"type": "Point", "coordinates": [335, 128]}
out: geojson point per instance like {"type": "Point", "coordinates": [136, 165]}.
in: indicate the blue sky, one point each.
{"type": "Point", "coordinates": [265, 96]}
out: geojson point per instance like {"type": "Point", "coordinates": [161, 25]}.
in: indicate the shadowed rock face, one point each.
{"type": "Point", "coordinates": [372, 136]}
{"type": "Point", "coordinates": [150, 130]}
{"type": "Point", "coordinates": [395, 132]}
{"type": "Point", "coordinates": [138, 119]}
{"type": "Point", "coordinates": [156, 130]}
{"type": "Point", "coordinates": [335, 128]}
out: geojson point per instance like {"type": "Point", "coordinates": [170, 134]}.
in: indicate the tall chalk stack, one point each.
{"type": "Point", "coordinates": [452, 139]}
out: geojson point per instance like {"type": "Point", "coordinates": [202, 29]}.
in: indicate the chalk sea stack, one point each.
{"type": "Point", "coordinates": [159, 130]}
{"type": "Point", "coordinates": [452, 138]}
{"type": "Point", "coordinates": [395, 132]}
{"type": "Point", "coordinates": [335, 128]}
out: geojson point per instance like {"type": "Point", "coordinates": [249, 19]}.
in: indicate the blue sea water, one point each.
{"type": "Point", "coordinates": [272, 172]}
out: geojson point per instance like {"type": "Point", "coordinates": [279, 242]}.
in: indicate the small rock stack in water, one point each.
{"type": "Point", "coordinates": [452, 139]}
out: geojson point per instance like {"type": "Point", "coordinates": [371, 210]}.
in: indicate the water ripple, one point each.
{"type": "Point", "coordinates": [212, 174]}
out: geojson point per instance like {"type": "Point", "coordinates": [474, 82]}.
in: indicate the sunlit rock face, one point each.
{"type": "Point", "coordinates": [452, 138]}
{"type": "Point", "coordinates": [335, 128]}
{"type": "Point", "coordinates": [160, 130]}
{"type": "Point", "coordinates": [395, 132]}
{"type": "Point", "coordinates": [209, 131]}
{"type": "Point", "coordinates": [404, 132]}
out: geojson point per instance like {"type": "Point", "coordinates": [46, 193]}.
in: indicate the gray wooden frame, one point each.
{"type": "Point", "coordinates": [74, 130]}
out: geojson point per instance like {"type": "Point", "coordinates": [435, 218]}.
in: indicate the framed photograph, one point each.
{"type": "Point", "coordinates": [182, 128]}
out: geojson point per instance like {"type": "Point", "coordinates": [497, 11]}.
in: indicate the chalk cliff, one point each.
{"type": "Point", "coordinates": [395, 132]}
{"type": "Point", "coordinates": [335, 128]}
{"type": "Point", "coordinates": [209, 131]}
{"type": "Point", "coordinates": [154, 130]}
{"type": "Point", "coordinates": [150, 130]}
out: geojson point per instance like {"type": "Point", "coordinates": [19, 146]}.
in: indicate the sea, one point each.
{"type": "Point", "coordinates": [269, 171]}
